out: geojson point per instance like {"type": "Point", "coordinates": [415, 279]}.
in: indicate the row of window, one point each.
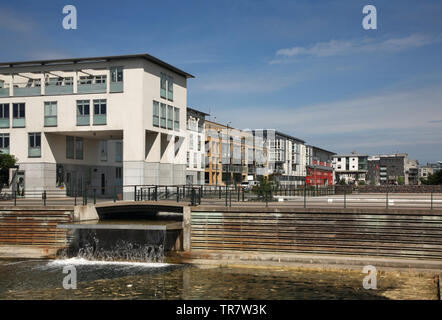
{"type": "Point", "coordinates": [74, 147]}
{"type": "Point", "coordinates": [166, 116]}
{"type": "Point", "coordinates": [195, 160]}
{"type": "Point", "coordinates": [50, 113]}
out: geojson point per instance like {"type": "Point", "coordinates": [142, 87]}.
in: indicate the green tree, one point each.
{"type": "Point", "coordinates": [342, 182]}
{"type": "Point", "coordinates": [400, 180]}
{"type": "Point", "coordinates": [433, 178]}
{"type": "Point", "coordinates": [7, 161]}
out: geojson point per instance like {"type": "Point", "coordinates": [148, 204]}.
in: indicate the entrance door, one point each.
{"type": "Point", "coordinates": [103, 183]}
{"type": "Point", "coordinates": [20, 184]}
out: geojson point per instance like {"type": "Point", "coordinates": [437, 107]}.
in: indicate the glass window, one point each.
{"type": "Point", "coordinates": [34, 149]}
{"type": "Point", "coordinates": [103, 150]}
{"type": "Point", "coordinates": [4, 142]}
{"type": "Point", "coordinates": [116, 74]}
{"type": "Point", "coordinates": [188, 159]}
{"type": "Point", "coordinates": [170, 88]}
{"type": "Point", "coordinates": [177, 119]}
{"type": "Point", "coordinates": [4, 115]}
{"type": "Point", "coordinates": [163, 116]}
{"type": "Point", "coordinates": [78, 148]}
{"type": "Point", "coordinates": [163, 86]}
{"type": "Point", "coordinates": [119, 151]}
{"type": "Point", "coordinates": [169, 117]}
{"type": "Point", "coordinates": [86, 79]}
{"type": "Point", "coordinates": [191, 142]}
{"type": "Point", "coordinates": [199, 143]}
{"type": "Point", "coordinates": [83, 112]}
{"type": "Point", "coordinates": [69, 147]}
{"type": "Point", "coordinates": [18, 110]}
{"type": "Point", "coordinates": [156, 114]}
{"type": "Point", "coordinates": [50, 118]}
{"type": "Point", "coordinates": [100, 107]}
{"type": "Point", "coordinates": [195, 160]}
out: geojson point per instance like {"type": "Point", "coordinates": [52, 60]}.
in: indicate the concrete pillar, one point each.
{"type": "Point", "coordinates": [187, 214]}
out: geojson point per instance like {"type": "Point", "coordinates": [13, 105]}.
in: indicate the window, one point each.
{"type": "Point", "coordinates": [100, 79]}
{"type": "Point", "coordinates": [4, 115]}
{"type": "Point", "coordinates": [100, 112]}
{"type": "Point", "coordinates": [86, 79]}
{"type": "Point", "coordinates": [4, 143]}
{"type": "Point", "coordinates": [34, 149]}
{"type": "Point", "coordinates": [70, 147]}
{"type": "Point", "coordinates": [103, 150]}
{"type": "Point", "coordinates": [188, 159]}
{"type": "Point", "coordinates": [74, 148]}
{"type": "Point", "coordinates": [199, 143]}
{"type": "Point", "coordinates": [156, 114]}
{"type": "Point", "coordinates": [202, 161]}
{"type": "Point", "coordinates": [50, 114]}
{"type": "Point", "coordinates": [195, 160]}
{"type": "Point", "coordinates": [78, 148]}
{"type": "Point", "coordinates": [170, 117]}
{"type": "Point", "coordinates": [170, 88]}
{"type": "Point", "coordinates": [163, 86]}
{"type": "Point", "coordinates": [163, 116]}
{"type": "Point", "coordinates": [118, 175]}
{"type": "Point", "coordinates": [83, 112]}
{"type": "Point", "coordinates": [18, 115]}
{"type": "Point", "coordinates": [119, 151]}
{"type": "Point", "coordinates": [116, 74]}
{"type": "Point", "coordinates": [177, 119]}
{"type": "Point", "coordinates": [191, 142]}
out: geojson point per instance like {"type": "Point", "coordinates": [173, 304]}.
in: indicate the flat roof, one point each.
{"type": "Point", "coordinates": [333, 153]}
{"type": "Point", "coordinates": [198, 111]}
{"type": "Point", "coordinates": [288, 136]}
{"type": "Point", "coordinates": [145, 56]}
{"type": "Point", "coordinates": [350, 155]}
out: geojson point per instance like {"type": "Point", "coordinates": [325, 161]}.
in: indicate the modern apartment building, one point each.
{"type": "Point", "coordinates": [196, 138]}
{"type": "Point", "coordinates": [286, 157]}
{"type": "Point", "coordinates": [319, 166]}
{"type": "Point", "coordinates": [97, 122]}
{"type": "Point", "coordinates": [430, 168]}
{"type": "Point", "coordinates": [233, 156]}
{"type": "Point", "coordinates": [392, 169]}
{"type": "Point", "coordinates": [352, 168]}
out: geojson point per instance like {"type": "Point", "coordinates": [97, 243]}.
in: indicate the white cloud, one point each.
{"type": "Point", "coordinates": [389, 119]}
{"type": "Point", "coordinates": [347, 47]}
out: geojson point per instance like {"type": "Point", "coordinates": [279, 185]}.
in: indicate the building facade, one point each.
{"type": "Point", "coordinates": [56, 113]}
{"type": "Point", "coordinates": [286, 157]}
{"type": "Point", "coordinates": [319, 166]}
{"type": "Point", "coordinates": [351, 168]}
{"type": "Point", "coordinates": [195, 158]}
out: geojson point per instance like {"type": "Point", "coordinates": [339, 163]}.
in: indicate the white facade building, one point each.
{"type": "Point", "coordinates": [196, 138]}
{"type": "Point", "coordinates": [350, 167]}
{"type": "Point", "coordinates": [54, 113]}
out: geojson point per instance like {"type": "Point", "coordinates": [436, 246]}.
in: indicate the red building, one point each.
{"type": "Point", "coordinates": [319, 167]}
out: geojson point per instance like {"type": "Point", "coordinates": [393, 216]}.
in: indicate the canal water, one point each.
{"type": "Point", "coordinates": [42, 279]}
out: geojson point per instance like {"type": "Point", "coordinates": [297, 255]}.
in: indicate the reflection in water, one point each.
{"type": "Point", "coordinates": [127, 280]}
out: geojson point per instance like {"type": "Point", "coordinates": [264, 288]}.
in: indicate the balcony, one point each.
{"type": "Point", "coordinates": [4, 122]}
{"type": "Point", "coordinates": [34, 152]}
{"type": "Point", "coordinates": [4, 91]}
{"type": "Point", "coordinates": [18, 122]}
{"type": "Point", "coordinates": [99, 119]}
{"type": "Point", "coordinates": [50, 121]}
{"type": "Point", "coordinates": [116, 87]}
{"type": "Point", "coordinates": [83, 120]}
{"type": "Point", "coordinates": [91, 88]}
{"type": "Point", "coordinates": [52, 90]}
{"type": "Point", "coordinates": [24, 90]}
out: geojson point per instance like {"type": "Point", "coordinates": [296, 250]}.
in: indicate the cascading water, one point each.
{"type": "Point", "coordinates": [114, 242]}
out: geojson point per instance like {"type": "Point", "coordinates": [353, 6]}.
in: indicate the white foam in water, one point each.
{"type": "Point", "coordinates": [82, 261]}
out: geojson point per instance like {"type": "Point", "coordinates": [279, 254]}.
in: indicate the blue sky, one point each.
{"type": "Point", "coordinates": [306, 67]}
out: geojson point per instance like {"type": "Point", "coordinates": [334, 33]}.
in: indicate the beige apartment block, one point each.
{"type": "Point", "coordinates": [101, 122]}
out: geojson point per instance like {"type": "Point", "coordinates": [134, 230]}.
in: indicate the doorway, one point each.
{"type": "Point", "coordinates": [103, 183]}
